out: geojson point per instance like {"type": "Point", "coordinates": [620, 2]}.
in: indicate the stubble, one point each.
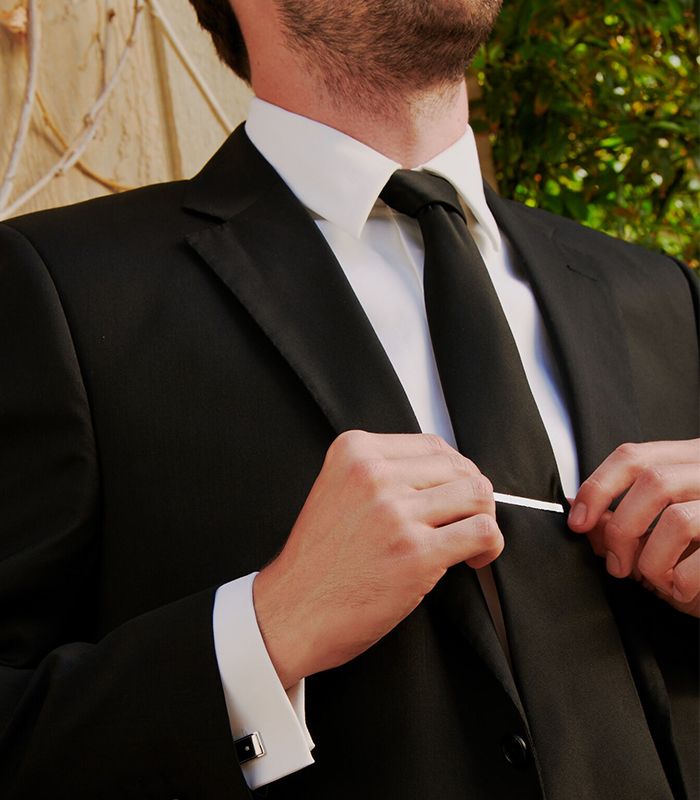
{"type": "Point", "coordinates": [371, 51]}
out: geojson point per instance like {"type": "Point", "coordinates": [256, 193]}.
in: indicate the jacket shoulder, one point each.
{"type": "Point", "coordinates": [106, 217]}
{"type": "Point", "coordinates": [578, 238]}
{"type": "Point", "coordinates": [624, 266]}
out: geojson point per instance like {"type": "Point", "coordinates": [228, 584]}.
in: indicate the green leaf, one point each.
{"type": "Point", "coordinates": [567, 89]}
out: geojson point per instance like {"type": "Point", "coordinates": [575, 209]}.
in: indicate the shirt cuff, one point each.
{"type": "Point", "coordinates": [255, 699]}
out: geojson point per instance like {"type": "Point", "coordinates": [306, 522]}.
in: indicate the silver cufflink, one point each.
{"type": "Point", "coordinates": [249, 747]}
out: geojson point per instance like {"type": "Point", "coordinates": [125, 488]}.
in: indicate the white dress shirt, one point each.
{"type": "Point", "coordinates": [338, 179]}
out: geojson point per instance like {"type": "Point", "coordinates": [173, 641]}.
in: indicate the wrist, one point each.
{"type": "Point", "coordinates": [283, 638]}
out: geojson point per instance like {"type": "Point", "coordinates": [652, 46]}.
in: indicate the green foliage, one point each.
{"type": "Point", "coordinates": [592, 110]}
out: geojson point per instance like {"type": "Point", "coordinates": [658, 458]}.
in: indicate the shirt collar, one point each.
{"type": "Point", "coordinates": [339, 178]}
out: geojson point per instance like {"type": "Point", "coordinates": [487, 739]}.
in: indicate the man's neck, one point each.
{"type": "Point", "coordinates": [408, 130]}
{"type": "Point", "coordinates": [408, 124]}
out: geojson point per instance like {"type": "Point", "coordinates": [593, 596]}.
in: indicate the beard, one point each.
{"type": "Point", "coordinates": [370, 48]}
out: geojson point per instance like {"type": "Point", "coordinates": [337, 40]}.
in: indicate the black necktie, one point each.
{"type": "Point", "coordinates": [493, 413]}
{"type": "Point", "coordinates": [583, 709]}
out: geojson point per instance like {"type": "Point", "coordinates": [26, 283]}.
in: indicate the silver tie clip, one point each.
{"type": "Point", "coordinates": [514, 500]}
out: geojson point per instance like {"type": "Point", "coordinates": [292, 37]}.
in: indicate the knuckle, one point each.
{"type": "Point", "coordinates": [341, 446]}
{"type": "Point", "coordinates": [480, 488]}
{"type": "Point", "coordinates": [647, 567]}
{"type": "Point", "coordinates": [687, 582]}
{"type": "Point", "coordinates": [458, 463]}
{"type": "Point", "coordinates": [435, 443]}
{"type": "Point", "coordinates": [483, 488]}
{"type": "Point", "coordinates": [614, 532]}
{"type": "Point", "coordinates": [653, 479]}
{"type": "Point", "coordinates": [630, 452]}
{"type": "Point", "coordinates": [680, 517]}
{"type": "Point", "coordinates": [484, 527]}
{"type": "Point", "coordinates": [389, 513]}
{"type": "Point", "coordinates": [350, 441]}
{"type": "Point", "coordinates": [593, 484]}
{"type": "Point", "coordinates": [369, 472]}
{"type": "Point", "coordinates": [470, 465]}
{"type": "Point", "coordinates": [404, 544]}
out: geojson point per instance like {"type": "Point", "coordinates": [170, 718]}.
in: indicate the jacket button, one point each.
{"type": "Point", "coordinates": [515, 750]}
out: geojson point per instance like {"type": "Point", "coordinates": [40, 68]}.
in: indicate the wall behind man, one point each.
{"type": "Point", "coordinates": [157, 124]}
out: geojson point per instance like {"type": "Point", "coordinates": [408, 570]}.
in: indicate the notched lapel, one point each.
{"type": "Point", "coordinates": [271, 255]}
{"type": "Point", "coordinates": [585, 330]}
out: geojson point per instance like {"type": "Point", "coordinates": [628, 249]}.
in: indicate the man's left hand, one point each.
{"type": "Point", "coordinates": [654, 532]}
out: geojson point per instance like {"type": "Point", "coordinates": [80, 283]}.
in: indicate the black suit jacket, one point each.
{"type": "Point", "coordinates": [175, 362]}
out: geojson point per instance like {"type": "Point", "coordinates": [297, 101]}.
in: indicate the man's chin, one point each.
{"type": "Point", "coordinates": [389, 44]}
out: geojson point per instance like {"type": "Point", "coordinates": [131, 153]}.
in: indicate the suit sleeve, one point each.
{"type": "Point", "coordinates": [141, 710]}
{"type": "Point", "coordinates": [694, 288]}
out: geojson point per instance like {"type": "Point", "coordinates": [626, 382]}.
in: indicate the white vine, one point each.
{"type": "Point", "coordinates": [25, 20]}
{"type": "Point", "coordinates": [33, 23]}
{"type": "Point", "coordinates": [157, 13]}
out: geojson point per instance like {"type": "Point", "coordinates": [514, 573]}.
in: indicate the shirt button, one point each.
{"type": "Point", "coordinates": [515, 750]}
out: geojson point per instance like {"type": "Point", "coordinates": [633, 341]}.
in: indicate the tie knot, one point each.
{"type": "Point", "coordinates": [410, 192]}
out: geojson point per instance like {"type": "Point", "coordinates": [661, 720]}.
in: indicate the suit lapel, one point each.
{"type": "Point", "coordinates": [585, 331]}
{"type": "Point", "coordinates": [270, 254]}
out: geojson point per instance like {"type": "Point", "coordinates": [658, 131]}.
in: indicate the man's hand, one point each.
{"type": "Point", "coordinates": [654, 532]}
{"type": "Point", "coordinates": [386, 517]}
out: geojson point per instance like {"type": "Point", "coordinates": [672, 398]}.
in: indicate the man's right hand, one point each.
{"type": "Point", "coordinates": [386, 517]}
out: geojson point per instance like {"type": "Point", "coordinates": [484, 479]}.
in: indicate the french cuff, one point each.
{"type": "Point", "coordinates": [255, 699]}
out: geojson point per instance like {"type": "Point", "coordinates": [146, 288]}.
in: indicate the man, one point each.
{"type": "Point", "coordinates": [228, 376]}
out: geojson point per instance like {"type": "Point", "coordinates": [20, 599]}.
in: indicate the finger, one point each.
{"type": "Point", "coordinates": [618, 472]}
{"type": "Point", "coordinates": [677, 528]}
{"type": "Point", "coordinates": [424, 472]}
{"type": "Point", "coordinates": [636, 572]}
{"type": "Point", "coordinates": [596, 536]}
{"type": "Point", "coordinates": [450, 502]}
{"type": "Point", "coordinates": [575, 527]}
{"type": "Point", "coordinates": [358, 445]}
{"type": "Point", "coordinates": [620, 555]}
{"type": "Point", "coordinates": [653, 490]}
{"type": "Point", "coordinates": [686, 579]}
{"type": "Point", "coordinates": [476, 541]}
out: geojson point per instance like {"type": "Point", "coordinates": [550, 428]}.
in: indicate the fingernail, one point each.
{"type": "Point", "coordinates": [677, 594]}
{"type": "Point", "coordinates": [612, 564]}
{"type": "Point", "coordinates": [577, 515]}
